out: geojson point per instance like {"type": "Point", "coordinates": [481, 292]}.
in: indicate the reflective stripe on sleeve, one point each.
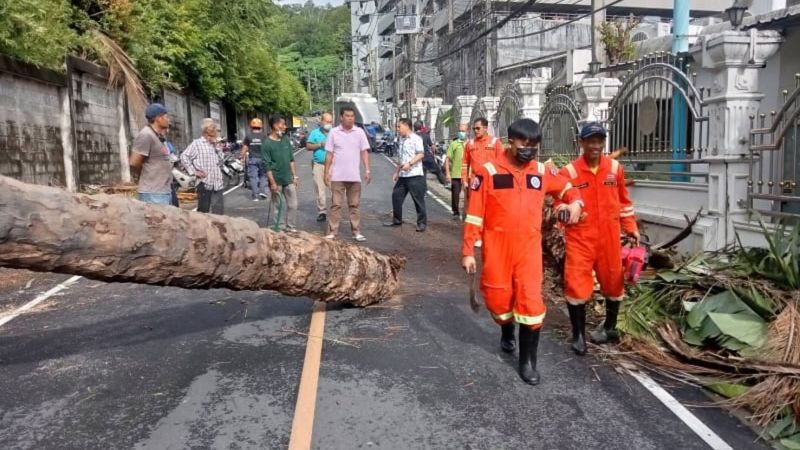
{"type": "Point", "coordinates": [567, 187]}
{"type": "Point", "coordinates": [571, 170]}
{"type": "Point", "coordinates": [474, 220]}
{"type": "Point", "coordinates": [540, 167]}
{"type": "Point", "coordinates": [627, 214]}
{"type": "Point", "coordinates": [490, 168]}
{"type": "Point", "coordinates": [528, 320]}
{"type": "Point", "coordinates": [614, 166]}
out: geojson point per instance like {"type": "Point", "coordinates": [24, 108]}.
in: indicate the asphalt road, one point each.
{"type": "Point", "coordinates": [112, 366]}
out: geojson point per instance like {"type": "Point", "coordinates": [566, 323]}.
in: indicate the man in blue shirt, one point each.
{"type": "Point", "coordinates": [316, 143]}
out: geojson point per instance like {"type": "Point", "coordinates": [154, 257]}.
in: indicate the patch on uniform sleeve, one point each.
{"type": "Point", "coordinates": [476, 182]}
{"type": "Point", "coordinates": [534, 182]}
{"type": "Point", "coordinates": [553, 171]}
{"type": "Point", "coordinates": [503, 181]}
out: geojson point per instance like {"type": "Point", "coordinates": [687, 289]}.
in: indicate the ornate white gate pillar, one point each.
{"type": "Point", "coordinates": [592, 95]}
{"type": "Point", "coordinates": [731, 61]}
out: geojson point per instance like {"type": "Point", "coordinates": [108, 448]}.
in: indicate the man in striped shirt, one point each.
{"type": "Point", "coordinates": [202, 160]}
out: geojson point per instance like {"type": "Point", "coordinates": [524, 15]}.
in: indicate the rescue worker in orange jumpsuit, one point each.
{"type": "Point", "coordinates": [478, 151]}
{"type": "Point", "coordinates": [593, 243]}
{"type": "Point", "coordinates": [506, 212]}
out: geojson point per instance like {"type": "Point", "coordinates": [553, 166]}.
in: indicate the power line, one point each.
{"type": "Point", "coordinates": [555, 27]}
{"type": "Point", "coordinates": [505, 20]}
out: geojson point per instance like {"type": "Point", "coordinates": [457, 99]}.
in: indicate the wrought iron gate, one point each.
{"type": "Point", "coordinates": [560, 117]}
{"type": "Point", "coordinates": [658, 116]}
{"type": "Point", "coordinates": [775, 159]}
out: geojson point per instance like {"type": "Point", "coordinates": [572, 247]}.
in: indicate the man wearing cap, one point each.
{"type": "Point", "coordinates": [149, 159]}
{"type": "Point", "coordinates": [251, 156]}
{"type": "Point", "coordinates": [592, 244]}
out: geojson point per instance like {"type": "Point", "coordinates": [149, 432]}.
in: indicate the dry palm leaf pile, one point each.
{"type": "Point", "coordinates": [730, 322]}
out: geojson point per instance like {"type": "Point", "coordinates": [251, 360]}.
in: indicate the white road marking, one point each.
{"type": "Point", "coordinates": [4, 319]}
{"type": "Point", "coordinates": [430, 194]}
{"type": "Point", "coordinates": [8, 317]}
{"type": "Point", "coordinates": [705, 433]}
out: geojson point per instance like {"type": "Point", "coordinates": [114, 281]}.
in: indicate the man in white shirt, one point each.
{"type": "Point", "coordinates": [409, 176]}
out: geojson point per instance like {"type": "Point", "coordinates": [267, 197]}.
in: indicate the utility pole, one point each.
{"type": "Point", "coordinates": [598, 17]}
{"type": "Point", "coordinates": [680, 44]}
{"type": "Point", "coordinates": [308, 89]}
{"type": "Point", "coordinates": [450, 16]}
{"type": "Point", "coordinates": [488, 10]}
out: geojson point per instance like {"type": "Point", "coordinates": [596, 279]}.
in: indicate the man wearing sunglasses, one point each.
{"type": "Point", "coordinates": [477, 152]}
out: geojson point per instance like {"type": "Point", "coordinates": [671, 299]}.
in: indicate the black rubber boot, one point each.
{"type": "Point", "coordinates": [507, 342]}
{"type": "Point", "coordinates": [608, 331]}
{"type": "Point", "coordinates": [577, 316]}
{"type": "Point", "coordinates": [612, 311]}
{"type": "Point", "coordinates": [528, 348]}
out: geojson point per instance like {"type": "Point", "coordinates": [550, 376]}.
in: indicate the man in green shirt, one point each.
{"type": "Point", "coordinates": [278, 157]}
{"type": "Point", "coordinates": [455, 153]}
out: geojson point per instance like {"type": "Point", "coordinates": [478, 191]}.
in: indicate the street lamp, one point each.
{"type": "Point", "coordinates": [736, 14]}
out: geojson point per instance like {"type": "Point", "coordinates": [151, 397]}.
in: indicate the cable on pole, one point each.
{"type": "Point", "coordinates": [555, 27]}
{"type": "Point", "coordinates": [517, 12]}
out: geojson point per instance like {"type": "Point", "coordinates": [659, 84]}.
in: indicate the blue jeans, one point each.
{"type": "Point", "coordinates": [161, 199]}
{"type": "Point", "coordinates": [257, 177]}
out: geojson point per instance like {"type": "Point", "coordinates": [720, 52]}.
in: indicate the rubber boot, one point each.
{"type": "Point", "coordinates": [507, 342]}
{"type": "Point", "coordinates": [608, 332]}
{"type": "Point", "coordinates": [528, 348]}
{"type": "Point", "coordinates": [577, 316]}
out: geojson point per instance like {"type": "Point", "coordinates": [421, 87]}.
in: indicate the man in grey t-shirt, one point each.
{"type": "Point", "coordinates": [149, 160]}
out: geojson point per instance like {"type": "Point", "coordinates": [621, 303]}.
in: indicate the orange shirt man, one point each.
{"type": "Point", "coordinates": [593, 244]}
{"type": "Point", "coordinates": [505, 211]}
{"type": "Point", "coordinates": [479, 150]}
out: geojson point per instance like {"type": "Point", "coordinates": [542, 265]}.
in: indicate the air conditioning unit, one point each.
{"type": "Point", "coordinates": [407, 24]}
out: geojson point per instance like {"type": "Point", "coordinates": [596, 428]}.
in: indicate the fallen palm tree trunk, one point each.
{"type": "Point", "coordinates": [113, 238]}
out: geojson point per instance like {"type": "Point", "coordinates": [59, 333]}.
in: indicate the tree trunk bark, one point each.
{"type": "Point", "coordinates": [114, 238]}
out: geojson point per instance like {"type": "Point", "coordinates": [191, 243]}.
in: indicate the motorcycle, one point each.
{"type": "Point", "coordinates": [179, 174]}
{"type": "Point", "coordinates": [232, 169]}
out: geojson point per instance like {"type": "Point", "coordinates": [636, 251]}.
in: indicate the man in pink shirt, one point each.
{"type": "Point", "coordinates": [346, 147]}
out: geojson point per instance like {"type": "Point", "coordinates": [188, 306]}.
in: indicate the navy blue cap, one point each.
{"type": "Point", "coordinates": [592, 129]}
{"type": "Point", "coordinates": [154, 110]}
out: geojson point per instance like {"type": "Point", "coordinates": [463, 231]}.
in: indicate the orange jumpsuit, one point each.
{"type": "Point", "coordinates": [506, 204]}
{"type": "Point", "coordinates": [477, 152]}
{"type": "Point", "coordinates": [593, 243]}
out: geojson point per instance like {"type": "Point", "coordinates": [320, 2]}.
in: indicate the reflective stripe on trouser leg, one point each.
{"type": "Point", "coordinates": [496, 277]}
{"type": "Point", "coordinates": [529, 308]}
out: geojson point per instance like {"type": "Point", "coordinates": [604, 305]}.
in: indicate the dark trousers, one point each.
{"type": "Point", "coordinates": [455, 195]}
{"type": "Point", "coordinates": [416, 186]}
{"type": "Point", "coordinates": [209, 201]}
{"type": "Point", "coordinates": [257, 177]}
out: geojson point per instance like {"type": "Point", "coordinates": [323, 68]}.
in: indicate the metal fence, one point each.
{"type": "Point", "coordinates": [775, 159]}
{"type": "Point", "coordinates": [658, 116]}
{"type": "Point", "coordinates": [560, 121]}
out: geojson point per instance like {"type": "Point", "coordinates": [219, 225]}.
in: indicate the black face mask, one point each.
{"type": "Point", "coordinates": [526, 154]}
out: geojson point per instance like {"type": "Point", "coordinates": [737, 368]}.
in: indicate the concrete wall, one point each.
{"type": "Point", "coordinates": [96, 109]}
{"type": "Point", "coordinates": [179, 130]}
{"type": "Point", "coordinates": [198, 112]}
{"type": "Point", "coordinates": [73, 130]}
{"type": "Point", "coordinates": [31, 148]}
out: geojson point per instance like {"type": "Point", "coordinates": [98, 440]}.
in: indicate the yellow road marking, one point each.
{"type": "Point", "coordinates": [303, 422]}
